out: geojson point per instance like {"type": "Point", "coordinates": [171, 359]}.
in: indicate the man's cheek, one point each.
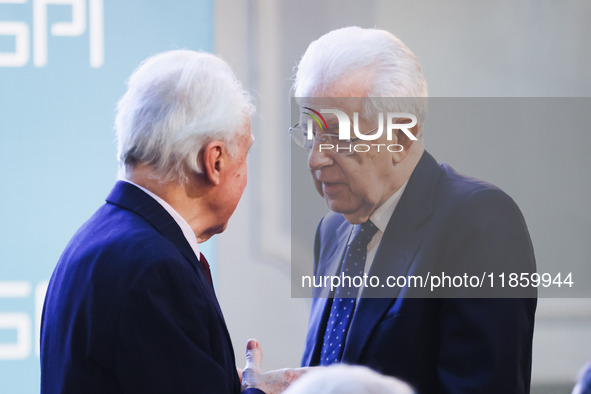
{"type": "Point", "coordinates": [318, 186]}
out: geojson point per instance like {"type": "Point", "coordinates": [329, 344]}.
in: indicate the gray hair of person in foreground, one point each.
{"type": "Point", "coordinates": [176, 103]}
{"type": "Point", "coordinates": [347, 379]}
{"type": "Point", "coordinates": [391, 68]}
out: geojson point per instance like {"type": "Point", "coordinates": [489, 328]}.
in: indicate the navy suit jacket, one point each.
{"type": "Point", "coordinates": [443, 222]}
{"type": "Point", "coordinates": [129, 308]}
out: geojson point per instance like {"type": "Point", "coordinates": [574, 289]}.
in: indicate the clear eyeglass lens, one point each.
{"type": "Point", "coordinates": [300, 137]}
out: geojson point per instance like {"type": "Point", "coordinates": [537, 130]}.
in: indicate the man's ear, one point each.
{"type": "Point", "coordinates": [406, 142]}
{"type": "Point", "coordinates": [213, 161]}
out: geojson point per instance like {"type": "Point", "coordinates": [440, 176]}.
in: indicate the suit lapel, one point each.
{"type": "Point", "coordinates": [130, 197]}
{"type": "Point", "coordinates": [313, 337]}
{"type": "Point", "coordinates": [332, 255]}
{"type": "Point", "coordinates": [401, 240]}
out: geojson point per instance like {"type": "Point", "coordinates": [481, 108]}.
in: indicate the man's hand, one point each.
{"type": "Point", "coordinates": [271, 382]}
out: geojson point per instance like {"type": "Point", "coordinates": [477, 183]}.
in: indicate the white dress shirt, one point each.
{"type": "Point", "coordinates": [185, 227]}
{"type": "Point", "coordinates": [380, 217]}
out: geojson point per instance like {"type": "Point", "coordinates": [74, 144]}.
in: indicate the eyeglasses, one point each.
{"type": "Point", "coordinates": [299, 135]}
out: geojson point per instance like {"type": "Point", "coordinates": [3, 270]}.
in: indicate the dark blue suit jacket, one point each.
{"type": "Point", "coordinates": [443, 222]}
{"type": "Point", "coordinates": [129, 309]}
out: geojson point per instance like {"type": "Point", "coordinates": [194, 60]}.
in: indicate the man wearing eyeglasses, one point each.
{"type": "Point", "coordinates": [397, 212]}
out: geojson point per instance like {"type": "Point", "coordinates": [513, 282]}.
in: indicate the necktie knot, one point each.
{"type": "Point", "coordinates": [365, 234]}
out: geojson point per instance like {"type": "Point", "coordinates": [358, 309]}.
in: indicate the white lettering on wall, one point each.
{"type": "Point", "coordinates": [20, 31]}
{"type": "Point", "coordinates": [74, 28]}
{"type": "Point", "coordinates": [21, 322]}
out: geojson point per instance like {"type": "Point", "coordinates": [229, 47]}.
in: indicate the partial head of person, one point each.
{"type": "Point", "coordinates": [371, 76]}
{"type": "Point", "coordinates": [347, 379]}
{"type": "Point", "coordinates": [183, 131]}
{"type": "Point", "coordinates": [583, 385]}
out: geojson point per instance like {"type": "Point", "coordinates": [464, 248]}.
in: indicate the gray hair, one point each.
{"type": "Point", "coordinates": [347, 379]}
{"type": "Point", "coordinates": [176, 103]}
{"type": "Point", "coordinates": [393, 69]}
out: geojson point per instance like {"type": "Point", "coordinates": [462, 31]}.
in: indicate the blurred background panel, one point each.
{"type": "Point", "coordinates": [63, 68]}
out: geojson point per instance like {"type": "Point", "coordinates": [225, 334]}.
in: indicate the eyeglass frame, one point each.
{"type": "Point", "coordinates": [324, 139]}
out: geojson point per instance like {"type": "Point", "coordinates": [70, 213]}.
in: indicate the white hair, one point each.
{"type": "Point", "coordinates": [347, 379]}
{"type": "Point", "coordinates": [176, 103]}
{"type": "Point", "coordinates": [392, 68]}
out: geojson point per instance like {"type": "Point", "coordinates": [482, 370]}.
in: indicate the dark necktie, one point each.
{"type": "Point", "coordinates": [205, 266]}
{"type": "Point", "coordinates": [343, 304]}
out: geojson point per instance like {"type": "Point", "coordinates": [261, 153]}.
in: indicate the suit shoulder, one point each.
{"type": "Point", "coordinates": [468, 190]}
{"type": "Point", "coordinates": [117, 240]}
{"type": "Point", "coordinates": [471, 203]}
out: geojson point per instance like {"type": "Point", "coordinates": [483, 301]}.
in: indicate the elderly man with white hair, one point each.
{"type": "Point", "coordinates": [397, 212]}
{"type": "Point", "coordinates": [131, 307]}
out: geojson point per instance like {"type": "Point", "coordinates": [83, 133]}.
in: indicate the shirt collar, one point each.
{"type": "Point", "coordinates": [182, 223]}
{"type": "Point", "coordinates": [381, 216]}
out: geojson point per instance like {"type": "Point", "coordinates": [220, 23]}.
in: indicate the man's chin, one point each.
{"type": "Point", "coordinates": [353, 213]}
{"type": "Point", "coordinates": [212, 231]}
{"type": "Point", "coordinates": [221, 228]}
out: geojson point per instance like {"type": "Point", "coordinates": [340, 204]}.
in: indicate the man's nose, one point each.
{"type": "Point", "coordinates": [320, 156]}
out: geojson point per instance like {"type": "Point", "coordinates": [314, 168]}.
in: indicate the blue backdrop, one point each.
{"type": "Point", "coordinates": [62, 69]}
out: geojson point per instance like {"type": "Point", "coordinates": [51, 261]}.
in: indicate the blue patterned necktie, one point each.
{"type": "Point", "coordinates": [343, 305]}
